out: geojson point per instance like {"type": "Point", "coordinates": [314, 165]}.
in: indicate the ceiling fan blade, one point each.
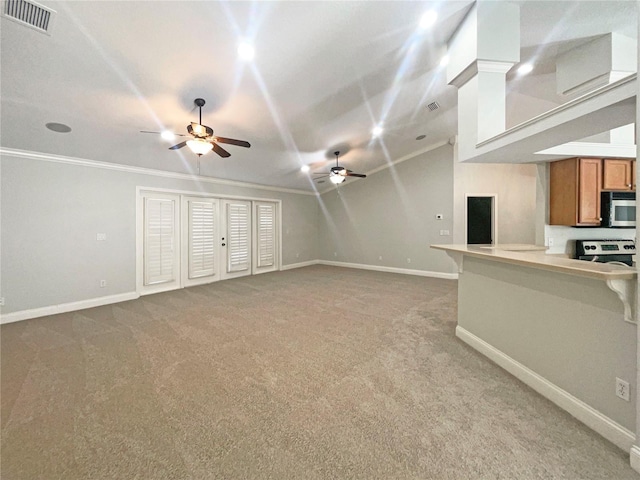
{"type": "Point", "coordinates": [359, 175]}
{"type": "Point", "coordinates": [160, 133]}
{"type": "Point", "coordinates": [220, 151]}
{"type": "Point", "coordinates": [319, 178]}
{"type": "Point", "coordinates": [179, 145]}
{"type": "Point", "coordinates": [232, 141]}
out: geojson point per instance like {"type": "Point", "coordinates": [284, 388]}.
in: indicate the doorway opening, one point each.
{"type": "Point", "coordinates": [481, 221]}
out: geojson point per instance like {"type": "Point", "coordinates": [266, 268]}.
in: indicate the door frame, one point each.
{"type": "Point", "coordinates": [139, 228]}
{"type": "Point", "coordinates": [494, 215]}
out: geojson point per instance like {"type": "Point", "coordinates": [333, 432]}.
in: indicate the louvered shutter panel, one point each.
{"type": "Point", "coordinates": [201, 239]}
{"type": "Point", "coordinates": [238, 231]}
{"type": "Point", "coordinates": [266, 221]}
{"type": "Point", "coordinates": [159, 254]}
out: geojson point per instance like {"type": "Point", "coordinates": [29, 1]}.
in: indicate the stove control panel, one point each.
{"type": "Point", "coordinates": [605, 247]}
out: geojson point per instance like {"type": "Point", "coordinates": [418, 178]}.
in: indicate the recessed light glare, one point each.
{"type": "Point", "coordinates": [444, 61]}
{"type": "Point", "coordinates": [167, 135]}
{"type": "Point", "coordinates": [377, 131]}
{"type": "Point", "coordinates": [428, 19]}
{"type": "Point", "coordinates": [525, 68]}
{"type": "Point", "coordinates": [246, 51]}
{"type": "Point", "coordinates": [305, 168]}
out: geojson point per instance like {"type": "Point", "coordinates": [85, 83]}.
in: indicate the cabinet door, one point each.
{"type": "Point", "coordinates": [590, 179]}
{"type": "Point", "coordinates": [617, 174]}
{"type": "Point", "coordinates": [563, 192]}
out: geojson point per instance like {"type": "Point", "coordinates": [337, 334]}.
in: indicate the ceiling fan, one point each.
{"type": "Point", "coordinates": [203, 138]}
{"type": "Point", "coordinates": [338, 174]}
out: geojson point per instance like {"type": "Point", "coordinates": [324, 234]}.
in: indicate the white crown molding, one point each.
{"type": "Point", "coordinates": [592, 418]}
{"type": "Point", "coordinates": [478, 66]}
{"type": "Point", "coordinates": [494, 66]}
{"type": "Point", "coordinates": [590, 149]}
{"type": "Point", "coordinates": [621, 86]}
{"type": "Point", "coordinates": [48, 157]}
{"type": "Point", "coordinates": [66, 307]}
{"type": "Point", "coordinates": [427, 149]}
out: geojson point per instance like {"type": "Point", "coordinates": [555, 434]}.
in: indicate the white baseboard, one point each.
{"type": "Point", "coordinates": [299, 265]}
{"type": "Point", "coordinates": [404, 271]}
{"type": "Point", "coordinates": [96, 302]}
{"type": "Point", "coordinates": [608, 428]}
{"type": "Point", "coordinates": [66, 307]}
{"type": "Point", "coordinates": [634, 458]}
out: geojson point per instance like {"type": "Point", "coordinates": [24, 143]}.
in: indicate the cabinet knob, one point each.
{"type": "Point", "coordinates": [629, 185]}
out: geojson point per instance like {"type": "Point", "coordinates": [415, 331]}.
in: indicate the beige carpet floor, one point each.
{"type": "Point", "coordinates": [314, 373]}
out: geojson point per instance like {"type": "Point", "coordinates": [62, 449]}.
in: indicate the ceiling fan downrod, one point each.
{"type": "Point", "coordinates": [200, 103]}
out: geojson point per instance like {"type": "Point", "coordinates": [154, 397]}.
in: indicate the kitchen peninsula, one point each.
{"type": "Point", "coordinates": [564, 327]}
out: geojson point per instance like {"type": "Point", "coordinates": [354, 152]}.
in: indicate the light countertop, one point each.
{"type": "Point", "coordinates": [534, 256]}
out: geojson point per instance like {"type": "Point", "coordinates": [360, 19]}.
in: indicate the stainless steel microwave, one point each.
{"type": "Point", "coordinates": [618, 209]}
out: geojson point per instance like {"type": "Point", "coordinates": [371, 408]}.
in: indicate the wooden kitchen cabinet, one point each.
{"type": "Point", "coordinates": [574, 192]}
{"type": "Point", "coordinates": [618, 174]}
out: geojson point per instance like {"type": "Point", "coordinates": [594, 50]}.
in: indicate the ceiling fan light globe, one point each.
{"type": "Point", "coordinates": [199, 147]}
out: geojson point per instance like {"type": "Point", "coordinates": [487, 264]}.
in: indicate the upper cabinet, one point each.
{"type": "Point", "coordinates": [574, 192]}
{"type": "Point", "coordinates": [575, 185]}
{"type": "Point", "coordinates": [618, 174]}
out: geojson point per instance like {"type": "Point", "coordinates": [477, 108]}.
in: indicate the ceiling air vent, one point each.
{"type": "Point", "coordinates": [30, 14]}
{"type": "Point", "coordinates": [433, 106]}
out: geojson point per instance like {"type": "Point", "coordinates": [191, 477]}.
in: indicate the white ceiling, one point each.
{"type": "Point", "coordinates": [324, 74]}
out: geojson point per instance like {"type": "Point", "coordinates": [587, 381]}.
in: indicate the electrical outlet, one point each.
{"type": "Point", "coordinates": [622, 389]}
{"type": "Point", "coordinates": [103, 283]}
{"type": "Point", "coordinates": [444, 233]}
{"type": "Point", "coordinates": [1, 301]}
{"type": "Point", "coordinates": [408, 260]}
{"type": "Point", "coordinates": [550, 242]}
{"type": "Point", "coordinates": [380, 257]}
{"type": "Point", "coordinates": [335, 254]}
{"type": "Point", "coordinates": [297, 255]}
{"type": "Point", "coordinates": [101, 237]}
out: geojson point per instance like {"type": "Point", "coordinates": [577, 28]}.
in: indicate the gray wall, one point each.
{"type": "Point", "coordinates": [392, 214]}
{"type": "Point", "coordinates": [515, 187]}
{"type": "Point", "coordinates": [568, 329]}
{"type": "Point", "coordinates": [51, 213]}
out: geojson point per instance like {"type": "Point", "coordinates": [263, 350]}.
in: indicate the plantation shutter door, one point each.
{"type": "Point", "coordinates": [265, 237]}
{"type": "Point", "coordinates": [238, 236]}
{"type": "Point", "coordinates": [159, 241]}
{"type": "Point", "coordinates": [202, 220]}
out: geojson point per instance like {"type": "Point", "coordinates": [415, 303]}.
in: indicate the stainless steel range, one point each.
{"type": "Point", "coordinates": [604, 251]}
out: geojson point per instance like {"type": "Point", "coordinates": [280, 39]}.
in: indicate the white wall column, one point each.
{"type": "Point", "coordinates": [481, 52]}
